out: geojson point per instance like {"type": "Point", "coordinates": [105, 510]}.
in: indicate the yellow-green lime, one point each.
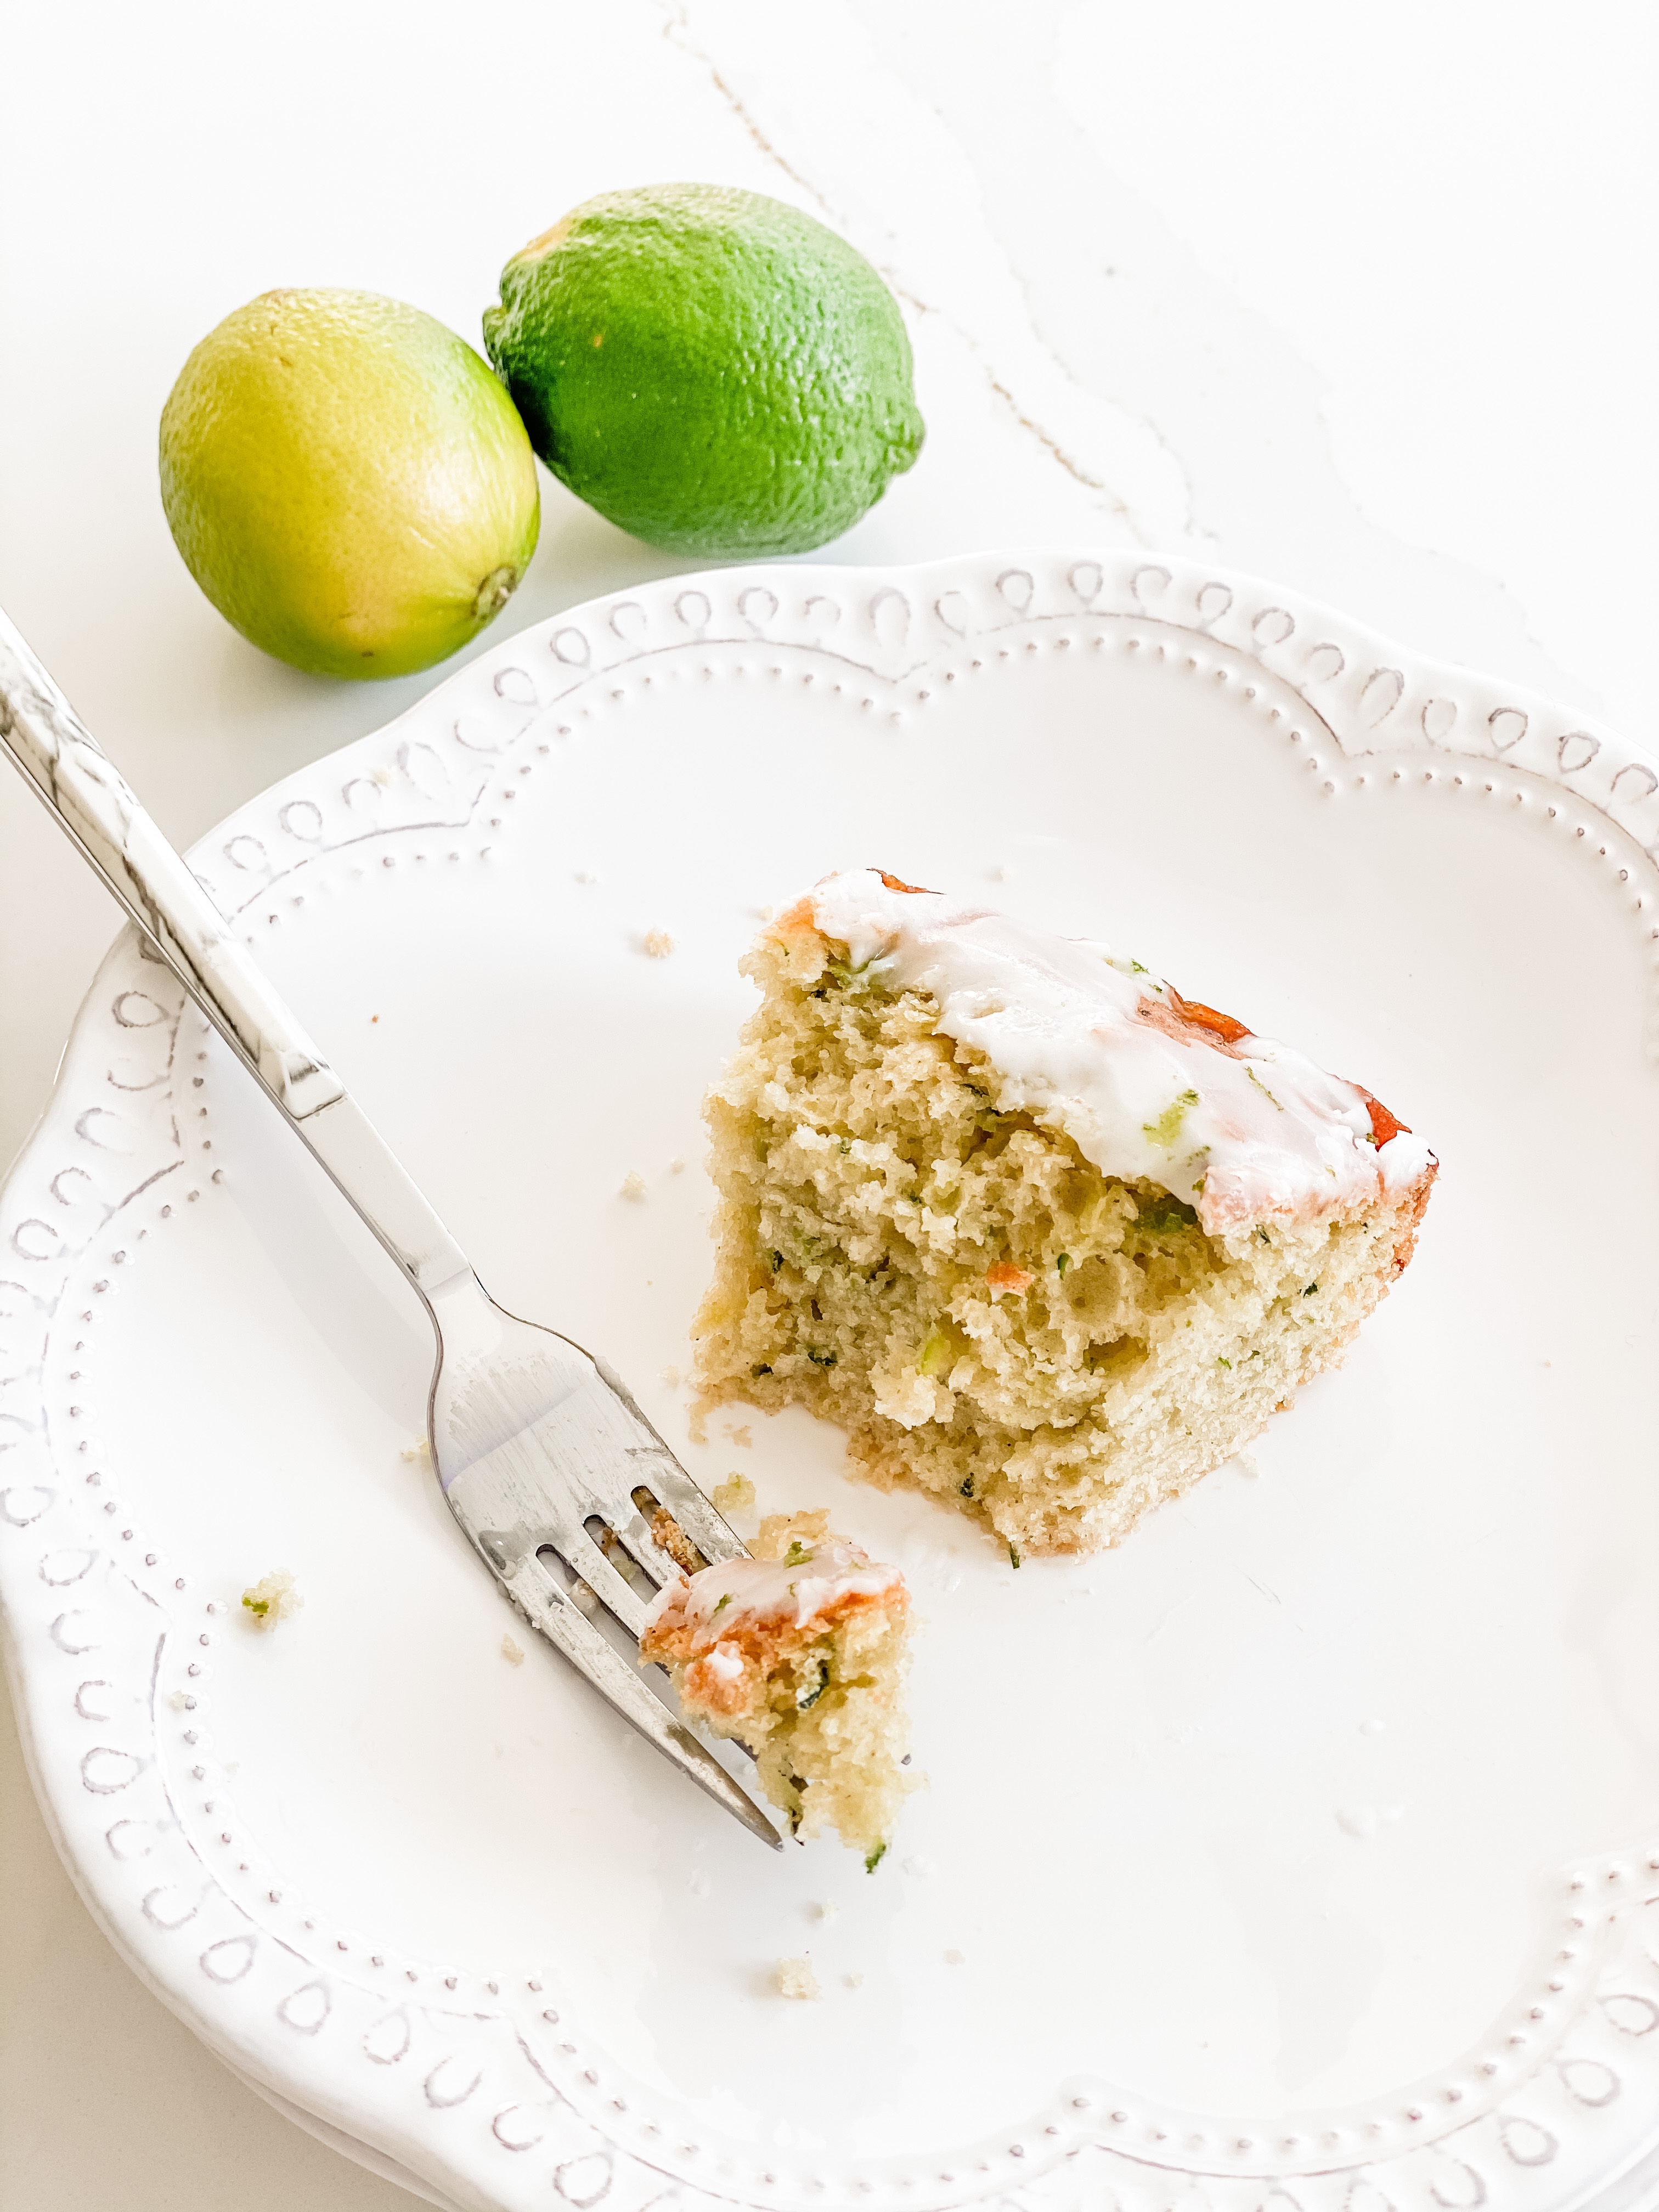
{"type": "Point", "coordinates": [348, 482]}
{"type": "Point", "coordinates": [715, 372]}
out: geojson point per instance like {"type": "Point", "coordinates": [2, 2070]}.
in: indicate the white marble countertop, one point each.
{"type": "Point", "coordinates": [1364, 302]}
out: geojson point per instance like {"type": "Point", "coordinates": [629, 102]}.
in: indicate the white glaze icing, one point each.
{"type": "Point", "coordinates": [1089, 1042]}
{"type": "Point", "coordinates": [718, 1600]}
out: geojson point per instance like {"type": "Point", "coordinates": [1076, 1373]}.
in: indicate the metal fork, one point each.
{"type": "Point", "coordinates": [536, 1443]}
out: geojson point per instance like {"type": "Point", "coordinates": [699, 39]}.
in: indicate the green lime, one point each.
{"type": "Point", "coordinates": [347, 481]}
{"type": "Point", "coordinates": [713, 370]}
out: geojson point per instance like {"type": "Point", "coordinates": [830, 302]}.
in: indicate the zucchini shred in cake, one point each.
{"type": "Point", "coordinates": [1046, 1238]}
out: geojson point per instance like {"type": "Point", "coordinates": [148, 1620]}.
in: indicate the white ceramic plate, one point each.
{"type": "Point", "coordinates": [1297, 1855]}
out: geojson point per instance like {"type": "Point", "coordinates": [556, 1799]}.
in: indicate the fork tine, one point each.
{"type": "Point", "coordinates": [551, 1511]}
{"type": "Point", "coordinates": [549, 1610]}
{"type": "Point", "coordinates": [583, 1556]}
{"type": "Point", "coordinates": [647, 1553]}
{"type": "Point", "coordinates": [668, 1483]}
{"type": "Point", "coordinates": [637, 1533]}
{"type": "Point", "coordinates": [656, 1467]}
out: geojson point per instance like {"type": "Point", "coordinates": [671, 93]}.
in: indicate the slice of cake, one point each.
{"type": "Point", "coordinates": [799, 1653]}
{"type": "Point", "coordinates": [1047, 1239]}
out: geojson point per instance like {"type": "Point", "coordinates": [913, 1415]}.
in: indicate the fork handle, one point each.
{"type": "Point", "coordinates": [101, 814]}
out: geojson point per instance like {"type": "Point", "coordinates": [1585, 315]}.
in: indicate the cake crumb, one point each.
{"type": "Point", "coordinates": [658, 944]}
{"type": "Point", "coordinates": [767, 913]}
{"type": "Point", "coordinates": [781, 1534]}
{"type": "Point", "coordinates": [735, 1495]}
{"type": "Point", "coordinates": [953, 1959]}
{"type": "Point", "coordinates": [632, 1185]}
{"type": "Point", "coordinates": [668, 1536]}
{"type": "Point", "coordinates": [854, 1981]}
{"type": "Point", "coordinates": [584, 1599]}
{"type": "Point", "coordinates": [795, 1978]}
{"type": "Point", "coordinates": [180, 1702]}
{"type": "Point", "coordinates": [1001, 873]}
{"type": "Point", "coordinates": [677, 1167]}
{"type": "Point", "coordinates": [671, 1376]}
{"type": "Point", "coordinates": [381, 775]}
{"type": "Point", "coordinates": [272, 1599]}
{"type": "Point", "coordinates": [696, 1421]}
{"type": "Point", "coordinates": [827, 1909]}
{"type": "Point", "coordinates": [511, 1652]}
{"type": "Point", "coordinates": [1246, 1463]}
{"type": "Point", "coordinates": [740, 1436]}
{"type": "Point", "coordinates": [586, 876]}
{"type": "Point", "coordinates": [418, 1453]}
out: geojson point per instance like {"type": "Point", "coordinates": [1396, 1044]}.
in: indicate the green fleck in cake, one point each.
{"type": "Point", "coordinates": [798, 1652]}
{"type": "Point", "coordinates": [1047, 1239]}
